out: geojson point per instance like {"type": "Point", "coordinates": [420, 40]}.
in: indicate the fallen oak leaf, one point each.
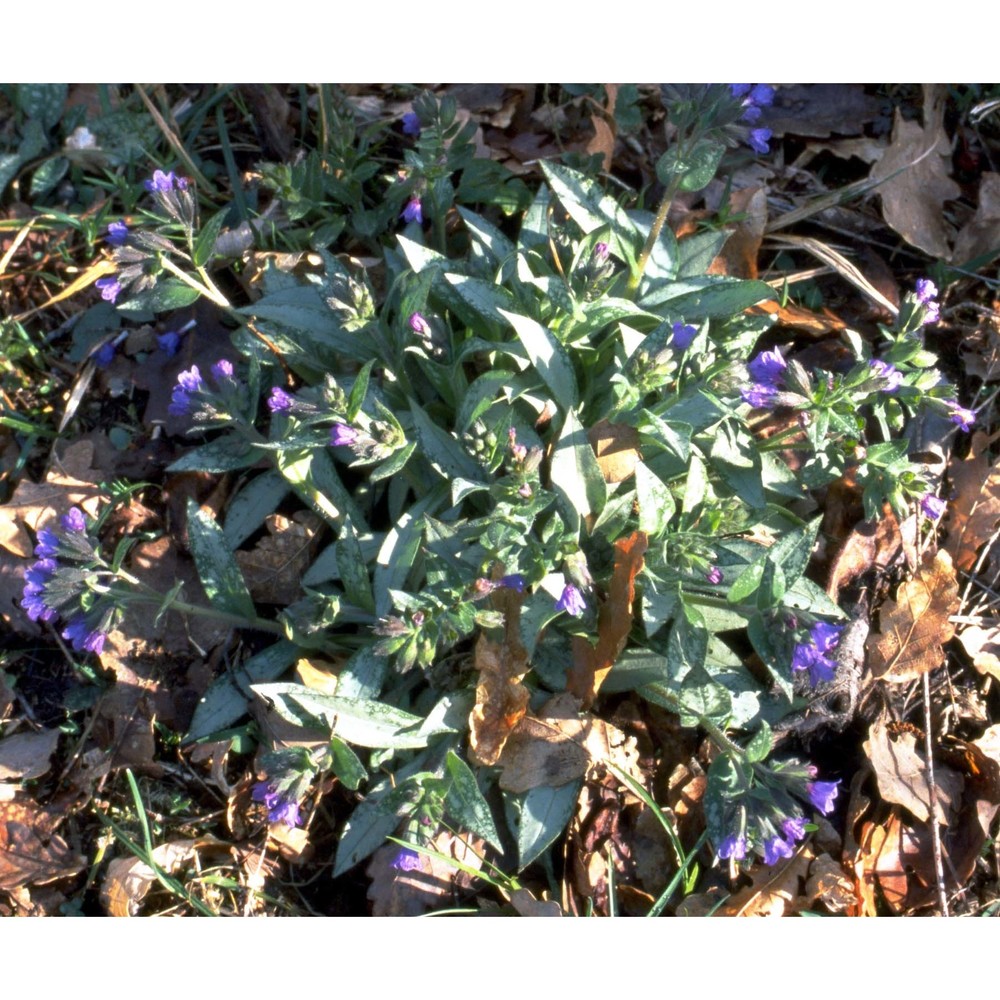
{"type": "Point", "coordinates": [915, 624]}
{"type": "Point", "coordinates": [975, 510]}
{"type": "Point", "coordinates": [273, 569]}
{"type": "Point", "coordinates": [27, 755]}
{"type": "Point", "coordinates": [31, 853]}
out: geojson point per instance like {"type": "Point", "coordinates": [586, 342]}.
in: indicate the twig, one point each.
{"type": "Point", "coordinates": [932, 790]}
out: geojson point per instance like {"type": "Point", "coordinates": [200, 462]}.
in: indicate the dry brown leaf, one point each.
{"type": "Point", "coordinates": [827, 884]}
{"type": "Point", "coordinates": [69, 481]}
{"type": "Point", "coordinates": [805, 320]}
{"type": "Point", "coordinates": [738, 258]}
{"type": "Point", "coordinates": [979, 235]}
{"type": "Point", "coordinates": [527, 906]}
{"type": "Point", "coordinates": [501, 698]}
{"type": "Point", "coordinates": [871, 544]}
{"type": "Point", "coordinates": [273, 570]}
{"type": "Point", "coordinates": [983, 647]}
{"type": "Point", "coordinates": [916, 178]}
{"type": "Point", "coordinates": [410, 893]}
{"type": "Point", "coordinates": [559, 745]}
{"type": "Point", "coordinates": [822, 109]}
{"type": "Point", "coordinates": [882, 865]}
{"type": "Point", "coordinates": [318, 675]}
{"type": "Point", "coordinates": [773, 891]}
{"type": "Point", "coordinates": [27, 755]}
{"type": "Point", "coordinates": [603, 140]}
{"type": "Point", "coordinates": [128, 880]}
{"type": "Point", "coordinates": [591, 664]}
{"type": "Point", "coordinates": [617, 449]}
{"type": "Point", "coordinates": [975, 510]}
{"type": "Point", "coordinates": [902, 776]}
{"type": "Point", "coordinates": [31, 853]}
{"type": "Point", "coordinates": [915, 624]}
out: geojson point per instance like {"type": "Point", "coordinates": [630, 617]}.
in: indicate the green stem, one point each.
{"type": "Point", "coordinates": [654, 235]}
{"type": "Point", "coordinates": [210, 293]}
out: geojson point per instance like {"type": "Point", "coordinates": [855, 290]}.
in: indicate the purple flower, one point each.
{"type": "Point", "coordinates": [758, 138]}
{"type": "Point", "coordinates": [960, 415]}
{"type": "Point", "coordinates": [162, 182]}
{"type": "Point", "coordinates": [759, 396]}
{"type": "Point", "coordinates": [342, 434]}
{"type": "Point", "coordinates": [110, 288]}
{"type": "Point", "coordinates": [73, 520]}
{"type": "Point", "coordinates": [222, 369]}
{"type": "Point", "coordinates": [117, 233]}
{"type": "Point", "coordinates": [762, 95]}
{"type": "Point", "coordinates": [926, 290]}
{"type": "Point", "coordinates": [279, 401]}
{"type": "Point", "coordinates": [892, 375]}
{"type": "Point", "coordinates": [932, 506]}
{"type": "Point", "coordinates": [768, 369]}
{"type": "Point", "coordinates": [82, 638]}
{"type": "Point", "coordinates": [822, 794]}
{"type": "Point", "coordinates": [794, 828]}
{"type": "Point", "coordinates": [187, 382]}
{"type": "Point", "coordinates": [740, 89]}
{"type": "Point", "coordinates": [41, 572]}
{"type": "Point", "coordinates": [407, 860]}
{"type": "Point", "coordinates": [33, 602]}
{"type": "Point", "coordinates": [524, 490]}
{"type": "Point", "coordinates": [514, 581]}
{"type": "Point", "coordinates": [48, 543]}
{"type": "Point", "coordinates": [419, 325]}
{"type": "Point", "coordinates": [683, 335]}
{"type": "Point", "coordinates": [411, 123]}
{"type": "Point", "coordinates": [601, 252]}
{"type": "Point", "coordinates": [776, 848]}
{"type": "Point", "coordinates": [169, 342]}
{"type": "Point", "coordinates": [571, 601]}
{"type": "Point", "coordinates": [714, 575]}
{"type": "Point", "coordinates": [932, 313]}
{"type": "Point", "coordinates": [413, 211]}
{"type": "Point", "coordinates": [280, 808]}
{"type": "Point", "coordinates": [825, 636]}
{"type": "Point", "coordinates": [105, 354]}
{"type": "Point", "coordinates": [734, 846]}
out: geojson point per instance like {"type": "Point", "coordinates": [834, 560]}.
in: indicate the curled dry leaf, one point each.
{"type": "Point", "coordinates": [559, 746]}
{"type": "Point", "coordinates": [738, 257]}
{"type": "Point", "coordinates": [69, 481]}
{"type": "Point", "coordinates": [979, 235]}
{"type": "Point", "coordinates": [902, 776]}
{"type": "Point", "coordinates": [527, 906]}
{"type": "Point", "coordinates": [975, 510]}
{"type": "Point", "coordinates": [591, 664]}
{"type": "Point", "coordinates": [501, 698]}
{"type": "Point", "coordinates": [914, 625]}
{"type": "Point", "coordinates": [128, 880]}
{"type": "Point", "coordinates": [318, 675]}
{"type": "Point", "coordinates": [616, 447]}
{"type": "Point", "coordinates": [983, 647]}
{"type": "Point", "coordinates": [27, 755]}
{"type": "Point", "coordinates": [31, 853]}
{"type": "Point", "coordinates": [871, 544]}
{"type": "Point", "coordinates": [273, 570]}
{"type": "Point", "coordinates": [915, 181]}
{"type": "Point", "coordinates": [395, 893]}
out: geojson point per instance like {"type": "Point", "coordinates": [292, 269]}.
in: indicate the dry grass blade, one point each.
{"type": "Point", "coordinates": [178, 147]}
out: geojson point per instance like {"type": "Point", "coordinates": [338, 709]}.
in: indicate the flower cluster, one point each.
{"type": "Point", "coordinates": [891, 376]}
{"type": "Point", "coordinates": [683, 335]}
{"type": "Point", "coordinates": [45, 596]}
{"type": "Point", "coordinates": [117, 233]}
{"type": "Point", "coordinates": [960, 415]}
{"type": "Point", "coordinates": [571, 601]}
{"type": "Point", "coordinates": [280, 807]}
{"type": "Point", "coordinates": [926, 292]}
{"type": "Point", "coordinates": [161, 182]}
{"type": "Point", "coordinates": [932, 507]}
{"type": "Point", "coordinates": [768, 372]}
{"type": "Point", "coordinates": [754, 96]}
{"type": "Point", "coordinates": [814, 656]}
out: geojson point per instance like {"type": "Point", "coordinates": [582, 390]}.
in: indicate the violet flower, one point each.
{"type": "Point", "coordinates": [813, 655]}
{"type": "Point", "coordinates": [571, 601]}
{"type": "Point", "coordinates": [794, 828]}
{"type": "Point", "coordinates": [757, 140]}
{"type": "Point", "coordinates": [169, 342]}
{"type": "Point", "coordinates": [82, 637]}
{"type": "Point", "coordinates": [222, 369]}
{"type": "Point", "coordinates": [683, 335]}
{"type": "Point", "coordinates": [110, 288]}
{"type": "Point", "coordinates": [164, 182]}
{"type": "Point", "coordinates": [187, 383]}
{"type": "Point", "coordinates": [925, 290]}
{"type": "Point", "coordinates": [73, 520]}
{"type": "Point", "coordinates": [413, 211]}
{"type": "Point", "coordinates": [768, 369]}
{"type": "Point", "coordinates": [342, 434]}
{"type": "Point", "coordinates": [932, 507]}
{"type": "Point", "coordinates": [822, 794]}
{"type": "Point", "coordinates": [33, 601]}
{"type": "Point", "coordinates": [411, 123]}
{"type": "Point", "coordinates": [280, 808]}
{"type": "Point", "coordinates": [419, 325]}
{"type": "Point", "coordinates": [893, 376]}
{"type": "Point", "coordinates": [407, 860]}
{"type": "Point", "coordinates": [775, 849]}
{"type": "Point", "coordinates": [960, 415]}
{"type": "Point", "coordinates": [117, 233]}
{"type": "Point", "coordinates": [734, 846]}
{"type": "Point", "coordinates": [714, 575]}
{"type": "Point", "coordinates": [514, 581]}
{"type": "Point", "coordinates": [48, 544]}
{"type": "Point", "coordinates": [279, 401]}
{"type": "Point", "coordinates": [105, 354]}
{"type": "Point", "coordinates": [759, 396]}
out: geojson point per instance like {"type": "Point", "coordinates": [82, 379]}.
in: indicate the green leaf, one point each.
{"type": "Point", "coordinates": [545, 812]}
{"type": "Point", "coordinates": [358, 391]}
{"type": "Point", "coordinates": [792, 551]}
{"type": "Point", "coordinates": [549, 358]}
{"type": "Point", "coordinates": [441, 449]}
{"type": "Point", "coordinates": [734, 453]}
{"type": "Point", "coordinates": [362, 675]}
{"type": "Point", "coordinates": [345, 764]}
{"type": "Point", "coordinates": [167, 295]}
{"type": "Point", "coordinates": [484, 298]}
{"type": "Point", "coordinates": [693, 171]}
{"type": "Point", "coordinates": [763, 636]}
{"type": "Point", "coordinates": [394, 463]}
{"type": "Point", "coordinates": [360, 721]}
{"type": "Point", "coordinates": [47, 176]}
{"type": "Point", "coordinates": [479, 397]}
{"type": "Point", "coordinates": [702, 697]}
{"type": "Point", "coordinates": [314, 478]}
{"type": "Point", "coordinates": [224, 703]}
{"type": "Point", "coordinates": [371, 822]}
{"type": "Point", "coordinates": [10, 163]}
{"type": "Point", "coordinates": [697, 251]}
{"type": "Point", "coordinates": [760, 746]}
{"type": "Point", "coordinates": [501, 251]}
{"type": "Point", "coordinates": [204, 246]}
{"type": "Point", "coordinates": [575, 472]}
{"type": "Point", "coordinates": [465, 801]}
{"type": "Point", "coordinates": [587, 204]}
{"type": "Point", "coordinates": [712, 296]}
{"type": "Point", "coordinates": [224, 454]}
{"type": "Point", "coordinates": [747, 582]}
{"type": "Point", "coordinates": [220, 575]}
{"type": "Point", "coordinates": [656, 502]}
{"type": "Point", "coordinates": [248, 509]}
{"type": "Point", "coordinates": [352, 567]}
{"type": "Point", "coordinates": [42, 101]}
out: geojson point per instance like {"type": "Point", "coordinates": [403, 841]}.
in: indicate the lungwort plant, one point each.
{"type": "Point", "coordinates": [452, 427]}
